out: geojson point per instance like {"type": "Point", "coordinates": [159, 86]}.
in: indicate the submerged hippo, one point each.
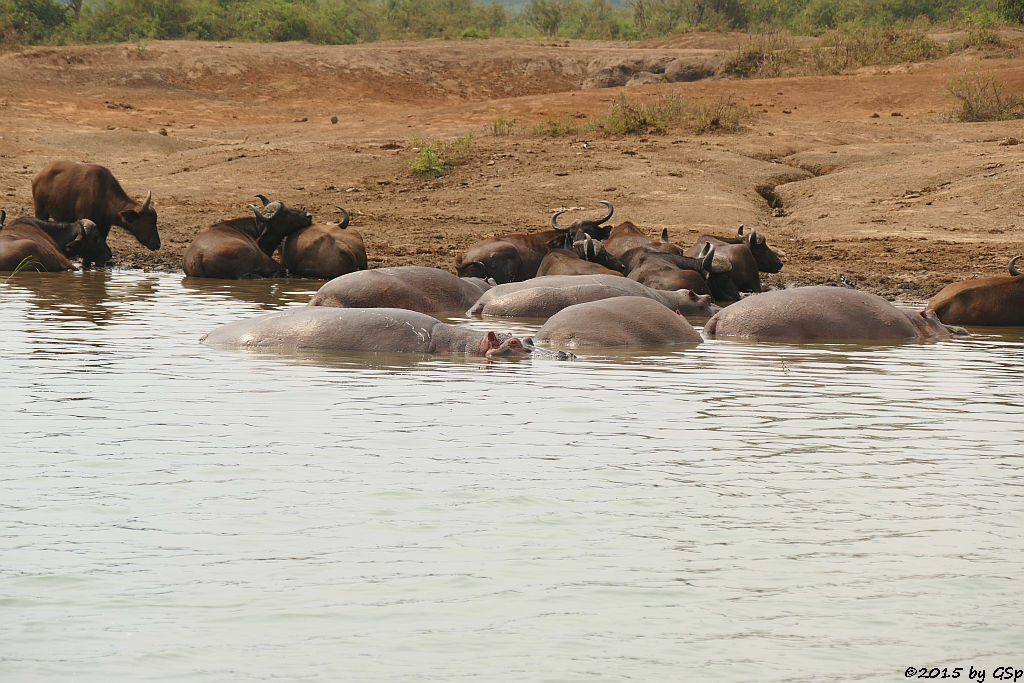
{"type": "Point", "coordinates": [357, 329]}
{"type": "Point", "coordinates": [544, 296]}
{"type": "Point", "coordinates": [822, 313]}
{"type": "Point", "coordinates": [416, 288]}
{"type": "Point", "coordinates": [618, 321]}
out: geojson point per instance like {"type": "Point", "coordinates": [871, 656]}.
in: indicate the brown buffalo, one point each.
{"type": "Point", "coordinates": [995, 300]}
{"type": "Point", "coordinates": [242, 247]}
{"type": "Point", "coordinates": [49, 246]}
{"type": "Point", "coordinates": [514, 258]}
{"type": "Point", "coordinates": [67, 191]}
{"type": "Point", "coordinates": [587, 257]}
{"type": "Point", "coordinates": [749, 255]}
{"type": "Point", "coordinates": [324, 250]}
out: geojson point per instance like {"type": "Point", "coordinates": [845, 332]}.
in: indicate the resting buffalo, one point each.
{"type": "Point", "coordinates": [38, 244]}
{"type": "Point", "coordinates": [822, 313]}
{"type": "Point", "coordinates": [324, 250]}
{"type": "Point", "coordinates": [587, 257]}
{"type": "Point", "coordinates": [995, 300]}
{"type": "Point", "coordinates": [619, 321]}
{"type": "Point", "coordinates": [242, 247]}
{"type": "Point", "coordinates": [389, 330]}
{"type": "Point", "coordinates": [517, 257]}
{"type": "Point", "coordinates": [544, 296]}
{"type": "Point", "coordinates": [416, 288]}
{"type": "Point", "coordinates": [749, 255]}
{"type": "Point", "coordinates": [67, 191]}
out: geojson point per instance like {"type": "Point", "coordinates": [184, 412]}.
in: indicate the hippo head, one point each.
{"type": "Point", "coordinates": [512, 347]}
{"type": "Point", "coordinates": [141, 222]}
{"type": "Point", "coordinates": [928, 325]}
{"type": "Point", "coordinates": [585, 226]}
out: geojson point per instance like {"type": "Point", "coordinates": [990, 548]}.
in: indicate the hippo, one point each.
{"type": "Point", "coordinates": [415, 288]}
{"type": "Point", "coordinates": [544, 296]}
{"type": "Point", "coordinates": [392, 330]}
{"type": "Point", "coordinates": [618, 321]}
{"type": "Point", "coordinates": [822, 313]}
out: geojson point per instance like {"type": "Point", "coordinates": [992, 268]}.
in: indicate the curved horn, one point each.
{"type": "Point", "coordinates": [1013, 264]}
{"type": "Point", "coordinates": [664, 235]}
{"type": "Point", "coordinates": [705, 250]}
{"type": "Point", "coordinates": [263, 199]}
{"type": "Point", "coordinates": [344, 223]}
{"type": "Point", "coordinates": [590, 248]}
{"type": "Point", "coordinates": [739, 233]}
{"type": "Point", "coordinates": [752, 237]}
{"type": "Point", "coordinates": [259, 216]}
{"type": "Point", "coordinates": [3, 217]}
{"type": "Point", "coordinates": [554, 220]}
{"type": "Point", "coordinates": [145, 204]}
{"type": "Point", "coordinates": [707, 258]}
{"type": "Point", "coordinates": [611, 210]}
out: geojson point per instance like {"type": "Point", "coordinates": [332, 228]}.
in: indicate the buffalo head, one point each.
{"type": "Point", "coordinates": [276, 221]}
{"type": "Point", "coordinates": [585, 226]}
{"type": "Point", "coordinates": [141, 222]}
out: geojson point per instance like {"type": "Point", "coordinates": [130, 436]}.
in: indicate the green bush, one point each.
{"type": "Point", "coordinates": [437, 157]}
{"type": "Point", "coordinates": [30, 21]}
{"type": "Point", "coordinates": [502, 127]}
{"type": "Point", "coordinates": [669, 112]}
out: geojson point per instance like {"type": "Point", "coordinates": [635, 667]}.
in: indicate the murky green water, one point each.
{"type": "Point", "coordinates": [731, 512]}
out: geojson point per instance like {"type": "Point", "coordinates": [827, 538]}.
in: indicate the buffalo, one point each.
{"type": "Point", "coordinates": [587, 257]}
{"type": "Point", "coordinates": [997, 300]}
{"type": "Point", "coordinates": [749, 255]}
{"type": "Point", "coordinates": [513, 258]}
{"type": "Point", "coordinates": [242, 247]}
{"type": "Point", "coordinates": [324, 250]}
{"type": "Point", "coordinates": [68, 191]}
{"type": "Point", "coordinates": [46, 245]}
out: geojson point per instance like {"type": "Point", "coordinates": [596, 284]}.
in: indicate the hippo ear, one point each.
{"type": "Point", "coordinates": [678, 312]}
{"type": "Point", "coordinates": [691, 295]}
{"type": "Point", "coordinates": [492, 341]}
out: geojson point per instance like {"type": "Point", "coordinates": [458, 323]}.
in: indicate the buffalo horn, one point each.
{"type": "Point", "coordinates": [664, 235]}
{"type": "Point", "coordinates": [344, 222]}
{"type": "Point", "coordinates": [1013, 265]}
{"type": "Point", "coordinates": [739, 233]}
{"type": "Point", "coordinates": [3, 217]}
{"type": "Point", "coordinates": [554, 220]}
{"type": "Point", "coordinates": [263, 199]}
{"type": "Point", "coordinates": [590, 247]}
{"type": "Point", "coordinates": [259, 216]}
{"type": "Point", "coordinates": [706, 257]}
{"type": "Point", "coordinates": [611, 210]}
{"type": "Point", "coordinates": [145, 204]}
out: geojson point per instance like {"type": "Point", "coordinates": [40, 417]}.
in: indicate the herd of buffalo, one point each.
{"type": "Point", "coordinates": [593, 283]}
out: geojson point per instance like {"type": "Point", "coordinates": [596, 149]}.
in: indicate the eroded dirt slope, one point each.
{"type": "Point", "coordinates": [860, 174]}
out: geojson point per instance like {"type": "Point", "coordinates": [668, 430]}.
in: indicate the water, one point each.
{"type": "Point", "coordinates": [730, 512]}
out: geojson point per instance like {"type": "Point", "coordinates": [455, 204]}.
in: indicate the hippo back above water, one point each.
{"type": "Point", "coordinates": [415, 288]}
{"type": "Point", "coordinates": [823, 313]}
{"type": "Point", "coordinates": [618, 321]}
{"type": "Point", "coordinates": [543, 296]}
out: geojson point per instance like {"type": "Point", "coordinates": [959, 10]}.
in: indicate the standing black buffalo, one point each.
{"type": "Point", "coordinates": [67, 191]}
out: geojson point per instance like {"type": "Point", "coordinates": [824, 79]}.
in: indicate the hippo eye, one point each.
{"type": "Point", "coordinates": [514, 343]}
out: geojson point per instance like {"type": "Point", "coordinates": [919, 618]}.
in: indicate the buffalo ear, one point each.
{"type": "Point", "coordinates": [129, 215]}
{"type": "Point", "coordinates": [70, 246]}
{"type": "Point", "coordinates": [559, 242]}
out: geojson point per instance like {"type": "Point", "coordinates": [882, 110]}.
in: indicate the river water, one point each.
{"type": "Point", "coordinates": [727, 512]}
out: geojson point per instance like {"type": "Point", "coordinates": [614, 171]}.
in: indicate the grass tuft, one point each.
{"type": "Point", "coordinates": [437, 157]}
{"type": "Point", "coordinates": [668, 112]}
{"type": "Point", "coordinates": [552, 127]}
{"type": "Point", "coordinates": [502, 127]}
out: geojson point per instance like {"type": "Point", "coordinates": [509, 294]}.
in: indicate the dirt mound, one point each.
{"type": "Point", "coordinates": [860, 174]}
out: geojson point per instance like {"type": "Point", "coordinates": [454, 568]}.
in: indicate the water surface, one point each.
{"type": "Point", "coordinates": [731, 512]}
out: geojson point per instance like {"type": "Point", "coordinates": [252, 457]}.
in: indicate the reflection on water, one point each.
{"type": "Point", "coordinates": [733, 511]}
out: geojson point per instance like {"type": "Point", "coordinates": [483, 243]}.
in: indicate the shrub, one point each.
{"type": "Point", "coordinates": [30, 21]}
{"type": "Point", "coordinates": [437, 157]}
{"type": "Point", "coordinates": [983, 98]}
{"type": "Point", "coordinates": [502, 126]}
{"type": "Point", "coordinates": [723, 114]}
{"type": "Point", "coordinates": [553, 127]}
{"type": "Point", "coordinates": [764, 56]}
